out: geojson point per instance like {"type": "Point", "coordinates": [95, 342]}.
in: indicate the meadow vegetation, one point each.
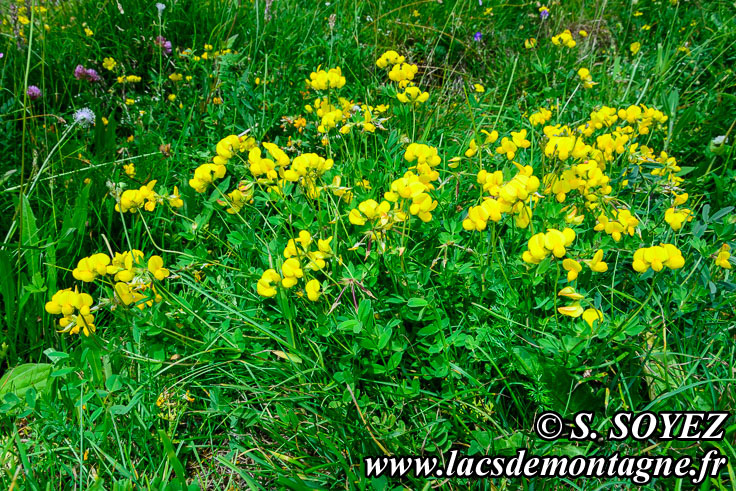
{"type": "Point", "coordinates": [246, 244]}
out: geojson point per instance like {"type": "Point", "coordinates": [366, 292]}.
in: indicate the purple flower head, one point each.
{"type": "Point", "coordinates": [92, 75]}
{"type": "Point", "coordinates": [478, 36]}
{"type": "Point", "coordinates": [162, 43]}
{"type": "Point", "coordinates": [81, 73]}
{"type": "Point", "coordinates": [33, 92]}
{"type": "Point", "coordinates": [543, 13]}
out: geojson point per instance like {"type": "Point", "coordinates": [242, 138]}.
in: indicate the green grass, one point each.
{"type": "Point", "coordinates": [440, 338]}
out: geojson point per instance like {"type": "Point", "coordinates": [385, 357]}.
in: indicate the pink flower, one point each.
{"type": "Point", "coordinates": [33, 92]}
{"type": "Point", "coordinates": [164, 44]}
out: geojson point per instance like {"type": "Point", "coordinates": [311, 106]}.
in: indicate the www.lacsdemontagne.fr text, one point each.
{"type": "Point", "coordinates": [640, 470]}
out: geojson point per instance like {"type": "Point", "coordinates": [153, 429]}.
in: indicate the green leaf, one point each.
{"type": "Point", "coordinates": [417, 302]}
{"type": "Point", "coordinates": [23, 377]}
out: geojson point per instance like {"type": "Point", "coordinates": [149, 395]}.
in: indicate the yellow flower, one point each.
{"type": "Point", "coordinates": [323, 80]}
{"type": "Point", "coordinates": [89, 268]}
{"type": "Point", "coordinates": [403, 72]}
{"type": "Point", "coordinates": [156, 267]}
{"type": "Point", "coordinates": [413, 95]}
{"type": "Point", "coordinates": [586, 78]}
{"type": "Point", "coordinates": [572, 267]}
{"type": "Point", "coordinates": [129, 102]}
{"type": "Point", "coordinates": [723, 257]}
{"type": "Point", "coordinates": [583, 33]}
{"type": "Point", "coordinates": [530, 43]}
{"type": "Point", "coordinates": [76, 310]}
{"type": "Point", "coordinates": [657, 257]}
{"type": "Point", "coordinates": [479, 88]}
{"type": "Point", "coordinates": [564, 38]}
{"type": "Point", "coordinates": [570, 292]}
{"type": "Point", "coordinates": [635, 47]}
{"type": "Point", "coordinates": [592, 315]}
{"type": "Point", "coordinates": [553, 242]}
{"type": "Point", "coordinates": [390, 57]}
{"type": "Point", "coordinates": [676, 218]}
{"type": "Point", "coordinates": [171, 97]}
{"type": "Point", "coordinates": [265, 286]}
{"type": "Point", "coordinates": [540, 117]}
{"type": "Point", "coordinates": [129, 169]}
{"type": "Point", "coordinates": [313, 288]}
{"type": "Point", "coordinates": [596, 264]}
{"type": "Point", "coordinates": [292, 271]}
{"type": "Point", "coordinates": [572, 310]}
{"type": "Point", "coordinates": [472, 149]}
{"type": "Point", "coordinates": [88, 32]}
{"type": "Point", "coordinates": [680, 199]}
{"type": "Point", "coordinates": [508, 148]}
{"type": "Point", "coordinates": [176, 77]}
{"type": "Point", "coordinates": [109, 63]}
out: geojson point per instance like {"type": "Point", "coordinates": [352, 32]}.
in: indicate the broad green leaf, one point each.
{"type": "Point", "coordinates": [21, 378]}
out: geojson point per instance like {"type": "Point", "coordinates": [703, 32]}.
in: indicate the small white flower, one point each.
{"type": "Point", "coordinates": [160, 7]}
{"type": "Point", "coordinates": [84, 117]}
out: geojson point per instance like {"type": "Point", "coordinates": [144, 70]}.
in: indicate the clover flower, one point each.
{"type": "Point", "coordinates": [164, 44]}
{"type": "Point", "coordinates": [89, 74]}
{"type": "Point", "coordinates": [33, 92]}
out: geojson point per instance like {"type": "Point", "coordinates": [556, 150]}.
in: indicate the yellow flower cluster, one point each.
{"type": "Point", "coordinates": [323, 80]}
{"type": "Point", "coordinates": [237, 198]}
{"type": "Point", "coordinates": [540, 117]}
{"type": "Point", "coordinates": [543, 244]}
{"type": "Point", "coordinates": [624, 223]}
{"type": "Point", "coordinates": [413, 95]}
{"type": "Point", "coordinates": [563, 143]}
{"type": "Point", "coordinates": [76, 309]}
{"type": "Point", "coordinates": [473, 147]}
{"type": "Point", "coordinates": [390, 57]}
{"type": "Point", "coordinates": [586, 78]}
{"type": "Point", "coordinates": [132, 200]}
{"type": "Point", "coordinates": [564, 39]}
{"type": "Point", "coordinates": [132, 278]}
{"type": "Point", "coordinates": [668, 169]}
{"type": "Point", "coordinates": [416, 186]}
{"type": "Point", "coordinates": [575, 310]}
{"type": "Point", "coordinates": [329, 114]}
{"type": "Point", "coordinates": [657, 257]}
{"type": "Point", "coordinates": [509, 197]}
{"type": "Point", "coordinates": [205, 174]}
{"type": "Point", "coordinates": [298, 257]}
{"type": "Point", "coordinates": [381, 216]}
{"type": "Point", "coordinates": [586, 178]}
{"type": "Point", "coordinates": [677, 217]}
{"type": "Point", "coordinates": [403, 73]}
{"type": "Point", "coordinates": [509, 147]}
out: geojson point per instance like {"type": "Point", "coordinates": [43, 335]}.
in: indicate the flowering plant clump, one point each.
{"type": "Point", "coordinates": [249, 247]}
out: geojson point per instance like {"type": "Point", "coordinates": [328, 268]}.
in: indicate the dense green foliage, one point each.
{"type": "Point", "coordinates": [424, 336]}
